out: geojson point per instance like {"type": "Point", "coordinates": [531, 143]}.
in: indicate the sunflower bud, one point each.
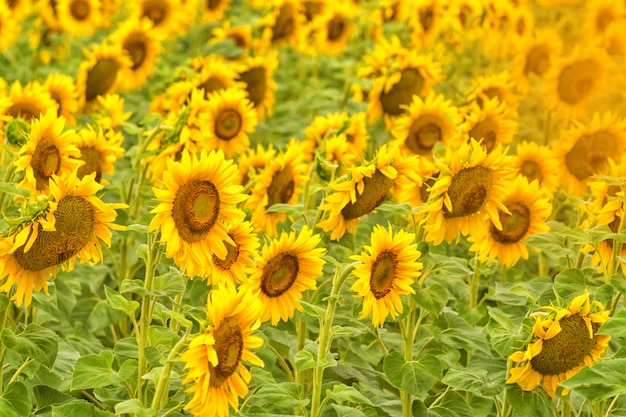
{"type": "Point", "coordinates": [16, 132]}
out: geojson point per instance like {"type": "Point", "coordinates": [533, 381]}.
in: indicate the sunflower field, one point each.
{"type": "Point", "coordinates": [349, 208]}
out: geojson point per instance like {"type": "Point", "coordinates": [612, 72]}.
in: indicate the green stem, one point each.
{"type": "Point", "coordinates": [19, 370]}
{"type": "Point", "coordinates": [608, 410]}
{"type": "Point", "coordinates": [597, 409]}
{"type": "Point", "coordinates": [162, 386]}
{"type": "Point", "coordinates": [473, 285]}
{"type": "Point", "coordinates": [617, 244]}
{"type": "Point", "coordinates": [408, 332]}
{"type": "Point", "coordinates": [325, 338]}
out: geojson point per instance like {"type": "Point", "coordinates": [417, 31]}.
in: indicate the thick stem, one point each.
{"type": "Point", "coordinates": [162, 387]}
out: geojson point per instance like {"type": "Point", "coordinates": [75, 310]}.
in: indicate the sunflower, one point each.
{"type": "Point", "coordinates": [470, 188]}
{"type": "Point", "coordinates": [168, 17]}
{"type": "Point", "coordinates": [98, 152]}
{"type": "Point", "coordinates": [240, 35]}
{"type": "Point", "coordinates": [383, 58]}
{"type": "Point", "coordinates": [426, 19]}
{"type": "Point", "coordinates": [313, 8]}
{"type": "Point", "coordinates": [527, 211]}
{"type": "Point", "coordinates": [229, 118]}
{"type": "Point", "coordinates": [572, 80]}
{"type": "Point", "coordinates": [562, 343]}
{"type": "Point", "coordinates": [80, 17]}
{"type": "Point", "coordinates": [464, 18]}
{"type": "Point", "coordinates": [62, 89]}
{"type": "Point", "coordinates": [599, 14]}
{"type": "Point", "coordinates": [142, 46]}
{"type": "Point", "coordinates": [214, 75]}
{"type": "Point", "coordinates": [536, 58]}
{"type": "Point", "coordinates": [49, 151]}
{"type": "Point", "coordinates": [174, 96]}
{"type": "Point", "coordinates": [354, 128]}
{"type": "Point", "coordinates": [614, 41]}
{"type": "Point", "coordinates": [254, 160]}
{"type": "Point", "coordinates": [611, 215]}
{"type": "Point", "coordinates": [241, 256]}
{"type": "Point", "coordinates": [214, 358]}
{"type": "Point", "coordinates": [426, 123]}
{"type": "Point", "coordinates": [213, 10]}
{"type": "Point", "coordinates": [110, 112]}
{"type": "Point", "coordinates": [333, 28]}
{"type": "Point", "coordinates": [71, 227]}
{"type": "Point", "coordinates": [288, 266]}
{"type": "Point", "coordinates": [198, 198]}
{"type": "Point", "coordinates": [278, 183]}
{"type": "Point", "coordinates": [9, 27]}
{"type": "Point", "coordinates": [282, 25]}
{"type": "Point", "coordinates": [537, 162]}
{"type": "Point", "coordinates": [488, 87]}
{"type": "Point", "coordinates": [27, 102]}
{"type": "Point", "coordinates": [584, 149]}
{"type": "Point", "coordinates": [101, 73]}
{"type": "Point", "coordinates": [256, 72]}
{"type": "Point", "coordinates": [386, 270]}
{"type": "Point", "coordinates": [491, 124]}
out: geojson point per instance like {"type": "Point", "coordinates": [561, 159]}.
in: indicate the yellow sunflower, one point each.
{"type": "Point", "coordinates": [141, 44]}
{"type": "Point", "coordinates": [288, 266]}
{"type": "Point", "coordinates": [469, 189]}
{"type": "Point", "coordinates": [9, 27]}
{"type": "Point", "coordinates": [240, 35]}
{"type": "Point", "coordinates": [599, 14]}
{"type": "Point", "coordinates": [426, 123]}
{"type": "Point", "coordinates": [28, 102]}
{"type": "Point", "coordinates": [168, 17]}
{"type": "Point", "coordinates": [536, 58]}
{"type": "Point", "coordinates": [584, 150]}
{"type": "Point", "coordinates": [426, 19]}
{"type": "Point", "coordinates": [492, 124]}
{"type": "Point", "coordinates": [611, 215]}
{"type": "Point", "coordinates": [98, 152]}
{"type": "Point", "coordinates": [333, 28]}
{"type": "Point", "coordinates": [488, 87]}
{"type": "Point", "coordinates": [278, 183]}
{"type": "Point", "coordinates": [527, 213]}
{"type": "Point", "coordinates": [241, 256]}
{"type": "Point", "coordinates": [101, 73]}
{"type": "Point", "coordinates": [383, 58]}
{"type": "Point", "coordinates": [174, 96]}
{"type": "Point", "coordinates": [464, 18]}
{"type": "Point", "coordinates": [62, 89]}
{"type": "Point", "coordinates": [386, 270]}
{"type": "Point", "coordinates": [563, 341]}
{"type": "Point", "coordinates": [256, 72]}
{"type": "Point", "coordinates": [50, 150]}
{"type": "Point", "coordinates": [282, 25]}
{"type": "Point", "coordinates": [354, 127]}
{"type": "Point", "coordinates": [213, 10]}
{"type": "Point", "coordinates": [79, 17]}
{"type": "Point", "coordinates": [572, 80]}
{"type": "Point", "coordinates": [198, 198]}
{"type": "Point", "coordinates": [110, 112]}
{"type": "Point", "coordinates": [215, 358]}
{"type": "Point", "coordinates": [313, 8]}
{"type": "Point", "coordinates": [228, 120]}
{"type": "Point", "coordinates": [214, 75]}
{"type": "Point", "coordinates": [72, 227]}
{"type": "Point", "coordinates": [537, 162]}
{"type": "Point", "coordinates": [254, 160]}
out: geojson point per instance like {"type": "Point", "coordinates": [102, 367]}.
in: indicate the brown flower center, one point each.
{"type": "Point", "coordinates": [567, 350]}
{"type": "Point", "coordinates": [375, 190]}
{"type": "Point", "coordinates": [211, 85]}
{"type": "Point", "coordinates": [137, 47]}
{"type": "Point", "coordinates": [424, 134]}
{"type": "Point", "coordinates": [281, 188]}
{"type": "Point", "coordinates": [411, 84]}
{"type": "Point", "coordinates": [195, 209]}
{"type": "Point", "coordinates": [256, 84]}
{"type": "Point", "coordinates": [26, 111]}
{"type": "Point", "coordinates": [531, 170]}
{"type": "Point", "coordinates": [46, 160]}
{"type": "Point", "coordinates": [231, 255]}
{"type": "Point", "coordinates": [229, 348]}
{"type": "Point", "coordinates": [577, 81]}
{"type": "Point", "coordinates": [227, 124]}
{"type": "Point", "coordinates": [383, 274]}
{"type": "Point", "coordinates": [487, 130]}
{"type": "Point", "coordinates": [590, 154]}
{"type": "Point", "coordinates": [279, 274]}
{"type": "Point", "coordinates": [285, 23]}
{"type": "Point", "coordinates": [604, 18]}
{"type": "Point", "coordinates": [426, 18]}
{"type": "Point", "coordinates": [312, 9]}
{"type": "Point", "coordinates": [426, 185]}
{"type": "Point", "coordinates": [514, 225]}
{"type": "Point", "coordinates": [155, 10]}
{"type": "Point", "coordinates": [537, 60]}
{"type": "Point", "coordinates": [469, 190]}
{"type": "Point", "coordinates": [80, 9]}
{"type": "Point", "coordinates": [101, 78]}
{"type": "Point", "coordinates": [336, 27]}
{"type": "Point", "coordinates": [489, 93]}
{"type": "Point", "coordinates": [74, 227]}
{"type": "Point", "coordinates": [93, 162]}
{"type": "Point", "coordinates": [213, 4]}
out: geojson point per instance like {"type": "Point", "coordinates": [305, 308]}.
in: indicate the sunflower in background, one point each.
{"type": "Point", "coordinates": [537, 162]}
{"type": "Point", "coordinates": [28, 102]}
{"type": "Point", "coordinates": [492, 124]}
{"type": "Point", "coordinates": [241, 35]}
{"type": "Point", "coordinates": [563, 341]}
{"type": "Point", "coordinates": [386, 270]}
{"type": "Point", "coordinates": [213, 10]}
{"type": "Point", "coordinates": [600, 14]}
{"type": "Point", "coordinates": [110, 114]}
{"type": "Point", "coordinates": [253, 160]}
{"type": "Point", "coordinates": [353, 127]}
{"type": "Point", "coordinates": [256, 72]}
{"type": "Point", "coordinates": [283, 23]}
{"type": "Point", "coordinates": [535, 59]}
{"type": "Point", "coordinates": [214, 358]}
{"type": "Point", "coordinates": [214, 75]}
{"type": "Point", "coordinates": [168, 17]}
{"type": "Point", "coordinates": [20, 9]}
{"type": "Point", "coordinates": [240, 259]}
{"type": "Point", "coordinates": [71, 227]}
{"type": "Point", "coordinates": [288, 266]}
{"type": "Point", "coordinates": [80, 17]}
{"type": "Point", "coordinates": [9, 27]}
{"type": "Point", "coordinates": [62, 90]}
{"type": "Point", "coordinates": [488, 87]}
{"type": "Point", "coordinates": [98, 152]}
{"type": "Point", "coordinates": [332, 29]}
{"type": "Point", "coordinates": [426, 19]}
{"type": "Point", "coordinates": [197, 199]}
{"type": "Point", "coordinates": [464, 18]}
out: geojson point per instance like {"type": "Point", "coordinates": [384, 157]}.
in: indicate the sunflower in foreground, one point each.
{"type": "Point", "coordinates": [50, 150]}
{"type": "Point", "coordinates": [241, 256]}
{"type": "Point", "coordinates": [72, 226]}
{"type": "Point", "coordinates": [215, 358]}
{"type": "Point", "coordinates": [386, 270]}
{"type": "Point", "coordinates": [563, 342]}
{"type": "Point", "coordinates": [196, 201]}
{"type": "Point", "coordinates": [470, 188]}
{"type": "Point", "coordinates": [288, 266]}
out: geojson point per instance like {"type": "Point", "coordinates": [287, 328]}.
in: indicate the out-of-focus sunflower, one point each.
{"type": "Point", "coordinates": [282, 25]}
{"type": "Point", "coordinates": [27, 102]}
{"type": "Point", "coordinates": [168, 17]}
{"type": "Point", "coordinates": [256, 72]}
{"type": "Point", "coordinates": [527, 212]}
{"type": "Point", "coordinates": [110, 112]}
{"type": "Point", "coordinates": [492, 124]}
{"type": "Point", "coordinates": [464, 18]}
{"type": "Point", "coordinates": [49, 150]}
{"type": "Point", "coordinates": [562, 342]}
{"type": "Point", "coordinates": [79, 17]}
{"type": "Point", "coordinates": [383, 57]}
{"type": "Point", "coordinates": [313, 8]}
{"type": "Point", "coordinates": [354, 128]}
{"type": "Point", "coordinates": [426, 19]}
{"type": "Point", "coordinates": [228, 120]}
{"type": "Point", "coordinates": [426, 123]}
{"type": "Point", "coordinates": [174, 96]}
{"type": "Point", "coordinates": [141, 44]}
{"type": "Point", "coordinates": [386, 270]}
{"type": "Point", "coordinates": [488, 87]}
{"type": "Point", "coordinates": [572, 80]}
{"type": "Point", "coordinates": [537, 162]}
{"type": "Point", "coordinates": [214, 359]}
{"type": "Point", "coordinates": [19, 8]}
{"type": "Point", "coordinates": [288, 266]}
{"type": "Point", "coordinates": [101, 73]}
{"type": "Point", "coordinates": [9, 27]}
{"type": "Point", "coordinates": [71, 227]}
{"type": "Point", "coordinates": [98, 152]}
{"type": "Point", "coordinates": [213, 10]}
{"type": "Point", "coordinates": [614, 40]}
{"type": "Point", "coordinates": [62, 89]}
{"type": "Point", "coordinates": [584, 150]}
{"type": "Point", "coordinates": [196, 202]}
{"type": "Point", "coordinates": [278, 183]}
{"type": "Point", "coordinates": [214, 75]}
{"type": "Point", "coordinates": [331, 30]}
{"type": "Point", "coordinates": [240, 35]}
{"type": "Point", "coordinates": [599, 14]}
{"type": "Point", "coordinates": [609, 210]}
{"type": "Point", "coordinates": [254, 159]}
{"type": "Point", "coordinates": [536, 58]}
{"type": "Point", "coordinates": [470, 188]}
{"type": "Point", "coordinates": [241, 256]}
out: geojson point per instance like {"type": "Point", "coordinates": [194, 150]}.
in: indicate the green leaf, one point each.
{"type": "Point", "coordinates": [35, 342]}
{"type": "Point", "coordinates": [312, 310]}
{"type": "Point", "coordinates": [433, 298]}
{"type": "Point", "coordinates": [93, 371]}
{"type": "Point", "coordinates": [396, 208]}
{"type": "Point", "coordinates": [414, 377]}
{"type": "Point", "coordinates": [16, 394]}
{"type": "Point", "coordinates": [142, 252]}
{"type": "Point", "coordinates": [286, 395]}
{"type": "Point", "coordinates": [46, 396]}
{"type": "Point", "coordinates": [126, 347]}
{"type": "Point", "coordinates": [392, 367]}
{"type": "Point", "coordinates": [614, 325]}
{"type": "Point", "coordinates": [535, 403]}
{"type": "Point", "coordinates": [306, 358]}
{"type": "Point", "coordinates": [456, 332]}
{"type": "Point", "coordinates": [140, 228]}
{"type": "Point", "coordinates": [569, 283]}
{"type": "Point", "coordinates": [135, 286]}
{"type": "Point", "coordinates": [603, 380]}
{"type": "Point", "coordinates": [10, 188]}
{"type": "Point", "coordinates": [343, 393]}
{"type": "Point", "coordinates": [4, 302]}
{"type": "Point", "coordinates": [120, 303]}
{"type": "Point", "coordinates": [79, 409]}
{"type": "Point", "coordinates": [451, 405]}
{"type": "Point", "coordinates": [293, 210]}
{"type": "Point", "coordinates": [473, 380]}
{"type": "Point", "coordinates": [134, 406]}
{"type": "Point", "coordinates": [169, 284]}
{"type": "Point", "coordinates": [6, 410]}
{"type": "Point", "coordinates": [343, 411]}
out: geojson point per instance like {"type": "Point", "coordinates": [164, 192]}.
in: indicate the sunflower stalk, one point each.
{"type": "Point", "coordinates": [617, 243]}
{"type": "Point", "coordinates": [325, 337]}
{"type": "Point", "coordinates": [473, 285]}
{"type": "Point", "coordinates": [162, 387]}
{"type": "Point", "coordinates": [409, 329]}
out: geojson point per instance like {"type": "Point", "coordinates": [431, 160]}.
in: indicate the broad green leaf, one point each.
{"type": "Point", "coordinates": [619, 283]}
{"type": "Point", "coordinates": [4, 302]}
{"type": "Point", "coordinates": [433, 298]}
{"type": "Point", "coordinates": [11, 188]}
{"type": "Point", "coordinates": [392, 367]}
{"type": "Point", "coordinates": [312, 310]}
{"type": "Point", "coordinates": [603, 380]}
{"type": "Point", "coordinates": [133, 286]}
{"type": "Point", "coordinates": [292, 210]}
{"type": "Point", "coordinates": [169, 284]}
{"type": "Point", "coordinates": [93, 371]}
{"type": "Point", "coordinates": [455, 331]}
{"type": "Point", "coordinates": [614, 325]}
{"type": "Point", "coordinates": [120, 303]}
{"type": "Point", "coordinates": [79, 409]}
{"type": "Point", "coordinates": [142, 251]}
{"type": "Point", "coordinates": [6, 409]}
{"type": "Point", "coordinates": [344, 411]}
{"type": "Point", "coordinates": [134, 406]}
{"type": "Point", "coordinates": [344, 393]}
{"type": "Point", "coordinates": [35, 342]}
{"type": "Point", "coordinates": [419, 376]}
{"type": "Point", "coordinates": [287, 395]}
{"type": "Point", "coordinates": [535, 403]}
{"type": "Point", "coordinates": [126, 347]}
{"type": "Point", "coordinates": [16, 394]}
{"type": "Point", "coordinates": [473, 380]}
{"type": "Point", "coordinates": [569, 283]}
{"type": "Point", "coordinates": [46, 396]}
{"type": "Point", "coordinates": [451, 405]}
{"type": "Point", "coordinates": [306, 358]}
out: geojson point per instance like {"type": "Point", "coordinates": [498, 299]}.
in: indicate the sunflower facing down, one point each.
{"type": "Point", "coordinates": [386, 270]}
{"type": "Point", "coordinates": [214, 359]}
{"type": "Point", "coordinates": [197, 199]}
{"type": "Point", "coordinates": [288, 266]}
{"type": "Point", "coordinates": [470, 188]}
{"type": "Point", "coordinates": [241, 256]}
{"type": "Point", "coordinates": [563, 342]}
{"type": "Point", "coordinates": [74, 222]}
